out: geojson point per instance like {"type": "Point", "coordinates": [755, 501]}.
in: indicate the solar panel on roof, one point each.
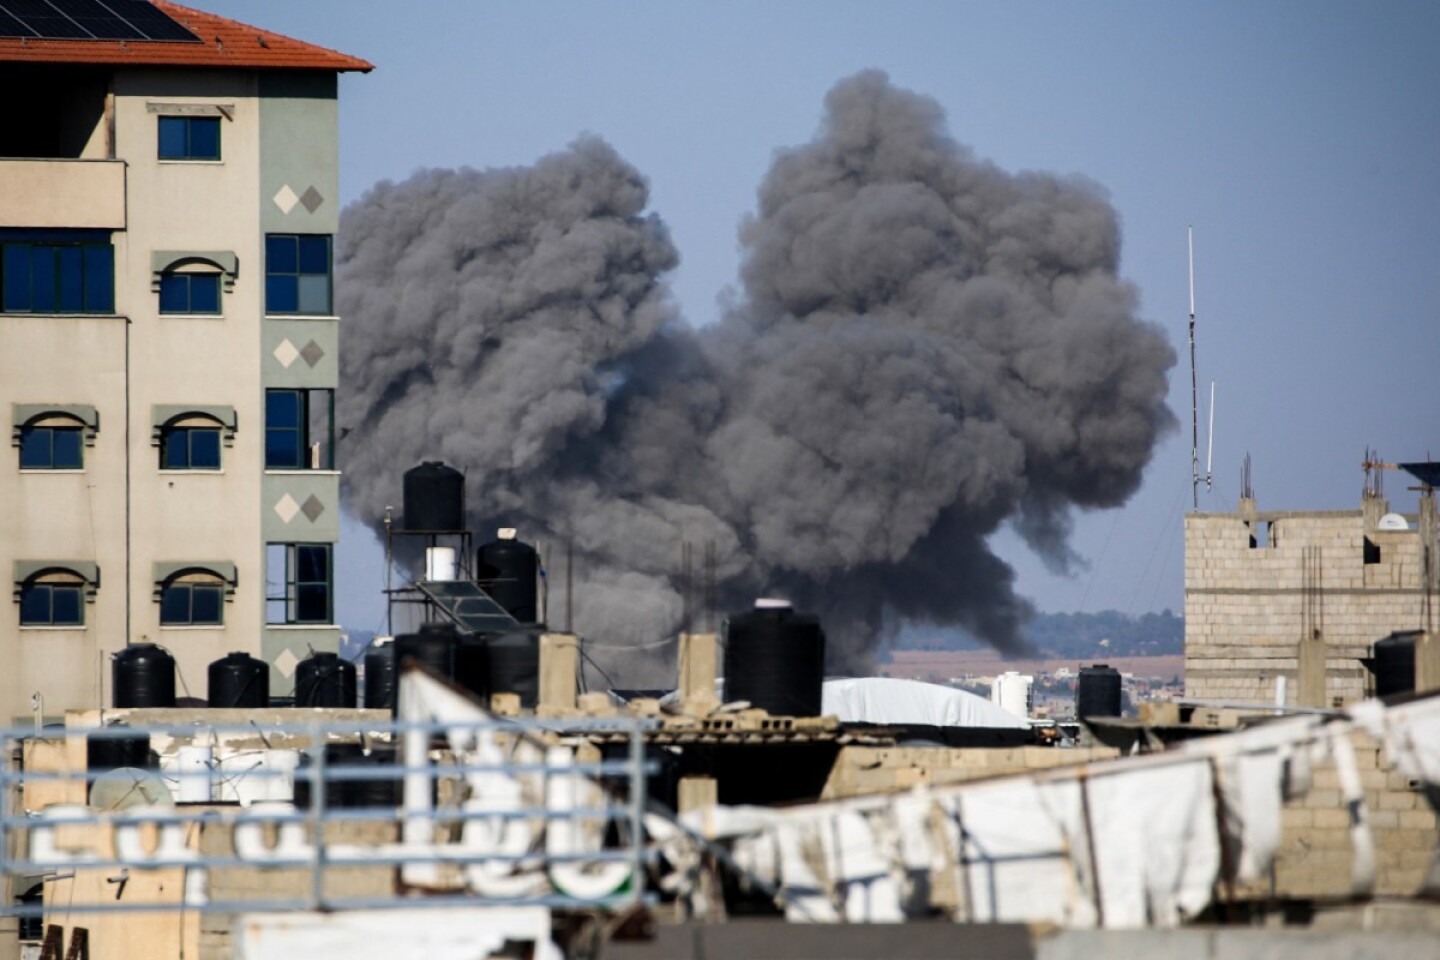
{"type": "Point", "coordinates": [155, 24]}
{"type": "Point", "coordinates": [11, 27]}
{"type": "Point", "coordinates": [466, 603]}
{"type": "Point", "coordinates": [89, 20]}
{"type": "Point", "coordinates": [96, 19]}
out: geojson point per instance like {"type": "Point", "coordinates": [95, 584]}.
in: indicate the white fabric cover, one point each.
{"type": "Point", "coordinates": [887, 700]}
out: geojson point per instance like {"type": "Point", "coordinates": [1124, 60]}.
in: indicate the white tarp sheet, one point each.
{"type": "Point", "coordinates": [1126, 843]}
{"type": "Point", "coordinates": [887, 700]}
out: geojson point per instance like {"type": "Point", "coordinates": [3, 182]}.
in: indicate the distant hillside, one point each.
{"type": "Point", "coordinates": [1078, 635]}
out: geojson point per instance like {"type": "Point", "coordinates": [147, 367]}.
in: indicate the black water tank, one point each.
{"type": "Point", "coordinates": [380, 676]}
{"type": "Point", "coordinates": [1097, 694]}
{"type": "Point", "coordinates": [472, 665]}
{"type": "Point", "coordinates": [116, 750]}
{"type": "Point", "coordinates": [1394, 664]}
{"type": "Point", "coordinates": [775, 658]}
{"type": "Point", "coordinates": [239, 680]}
{"type": "Point", "coordinates": [346, 763]}
{"type": "Point", "coordinates": [507, 569]}
{"type": "Point", "coordinates": [434, 498]}
{"type": "Point", "coordinates": [433, 647]}
{"type": "Point", "coordinates": [513, 660]}
{"type": "Point", "coordinates": [143, 675]}
{"type": "Point", "coordinates": [325, 679]}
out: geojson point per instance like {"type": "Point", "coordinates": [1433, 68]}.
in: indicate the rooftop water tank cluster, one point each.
{"type": "Point", "coordinates": [143, 675]}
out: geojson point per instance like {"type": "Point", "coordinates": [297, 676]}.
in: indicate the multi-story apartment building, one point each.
{"type": "Point", "coordinates": [168, 345]}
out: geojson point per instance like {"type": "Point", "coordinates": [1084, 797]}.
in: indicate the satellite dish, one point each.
{"type": "Point", "coordinates": [126, 787]}
{"type": "Point", "coordinates": [1392, 521]}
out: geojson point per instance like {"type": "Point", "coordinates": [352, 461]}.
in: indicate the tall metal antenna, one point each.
{"type": "Point", "coordinates": [1194, 388]}
{"type": "Point", "coordinates": [1210, 439]}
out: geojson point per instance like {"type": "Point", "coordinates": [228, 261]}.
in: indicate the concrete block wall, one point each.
{"type": "Point", "coordinates": [1316, 852]}
{"type": "Point", "coordinates": [1246, 608]}
{"type": "Point", "coordinates": [859, 771]}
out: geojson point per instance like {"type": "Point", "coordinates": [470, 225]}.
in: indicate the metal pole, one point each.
{"type": "Point", "coordinates": [317, 819]}
{"type": "Point", "coordinates": [1194, 390]}
{"type": "Point", "coordinates": [389, 549]}
{"type": "Point", "coordinates": [637, 810]}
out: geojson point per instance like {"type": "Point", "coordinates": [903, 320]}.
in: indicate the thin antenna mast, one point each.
{"type": "Point", "coordinates": [1194, 388]}
{"type": "Point", "coordinates": [1210, 439]}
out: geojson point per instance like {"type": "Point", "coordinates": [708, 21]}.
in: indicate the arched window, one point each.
{"type": "Point", "coordinates": [53, 436]}
{"type": "Point", "coordinates": [54, 593]}
{"type": "Point", "coordinates": [193, 282]}
{"type": "Point", "coordinates": [195, 593]}
{"type": "Point", "coordinates": [190, 438]}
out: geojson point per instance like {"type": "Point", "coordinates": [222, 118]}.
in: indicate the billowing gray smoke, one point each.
{"type": "Point", "coordinates": [926, 347]}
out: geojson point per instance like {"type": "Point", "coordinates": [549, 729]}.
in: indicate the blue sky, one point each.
{"type": "Point", "coordinates": [1301, 139]}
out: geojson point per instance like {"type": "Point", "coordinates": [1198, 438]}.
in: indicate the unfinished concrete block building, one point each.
{"type": "Point", "coordinates": [1285, 604]}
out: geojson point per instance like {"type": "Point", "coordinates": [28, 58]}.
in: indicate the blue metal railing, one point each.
{"type": "Point", "coordinates": [491, 810]}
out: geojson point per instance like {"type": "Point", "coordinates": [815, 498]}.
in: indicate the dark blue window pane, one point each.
{"type": "Point", "coordinates": [172, 138]}
{"type": "Point", "coordinates": [205, 293]}
{"type": "Point", "coordinates": [35, 603]}
{"type": "Point", "coordinates": [72, 279]}
{"type": "Point", "coordinates": [204, 449]}
{"type": "Point", "coordinates": [174, 293]}
{"type": "Point", "coordinates": [204, 138]}
{"type": "Point", "coordinates": [174, 450]}
{"type": "Point", "coordinates": [312, 603]}
{"type": "Point", "coordinates": [35, 451]}
{"type": "Point", "coordinates": [66, 606]}
{"type": "Point", "coordinates": [16, 269]}
{"type": "Point", "coordinates": [100, 279]}
{"type": "Point", "coordinates": [315, 254]}
{"type": "Point", "coordinates": [281, 255]}
{"type": "Point", "coordinates": [67, 445]}
{"type": "Point", "coordinates": [175, 604]}
{"type": "Point", "coordinates": [312, 563]}
{"type": "Point", "coordinates": [282, 408]}
{"type": "Point", "coordinates": [282, 450]}
{"type": "Point", "coordinates": [205, 603]}
{"type": "Point", "coordinates": [42, 280]}
{"type": "Point", "coordinates": [281, 294]}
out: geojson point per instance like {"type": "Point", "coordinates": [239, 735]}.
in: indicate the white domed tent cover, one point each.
{"type": "Point", "coordinates": [887, 700]}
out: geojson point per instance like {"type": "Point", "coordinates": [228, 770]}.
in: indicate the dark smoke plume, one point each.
{"type": "Point", "coordinates": [925, 347]}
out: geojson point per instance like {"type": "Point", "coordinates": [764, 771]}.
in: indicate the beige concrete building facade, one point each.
{"type": "Point", "coordinates": [168, 357]}
{"type": "Point", "coordinates": [1295, 599]}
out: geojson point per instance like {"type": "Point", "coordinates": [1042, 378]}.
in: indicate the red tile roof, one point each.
{"type": "Point", "coordinates": [223, 43]}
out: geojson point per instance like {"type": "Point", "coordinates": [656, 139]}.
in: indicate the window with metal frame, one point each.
{"type": "Point", "coordinates": [190, 446]}
{"type": "Point", "coordinates": [190, 293]}
{"type": "Point", "coordinates": [298, 271]}
{"type": "Point", "coordinates": [299, 583]}
{"type": "Point", "coordinates": [299, 429]}
{"type": "Point", "coordinates": [192, 600]}
{"type": "Point", "coordinates": [56, 272]}
{"type": "Point", "coordinates": [52, 448]}
{"type": "Point", "coordinates": [54, 601]}
{"type": "Point", "coordinates": [189, 138]}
